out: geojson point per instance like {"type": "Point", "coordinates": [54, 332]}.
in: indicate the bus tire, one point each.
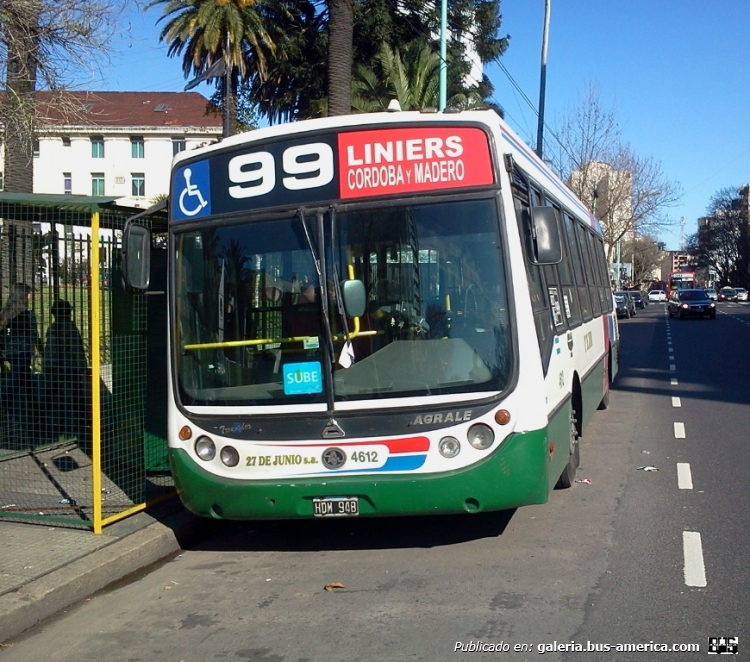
{"type": "Point", "coordinates": [568, 475]}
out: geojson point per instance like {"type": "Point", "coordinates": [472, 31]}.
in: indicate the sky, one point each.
{"type": "Point", "coordinates": [674, 72]}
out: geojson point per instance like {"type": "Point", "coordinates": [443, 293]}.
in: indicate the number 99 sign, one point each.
{"type": "Point", "coordinates": [304, 167]}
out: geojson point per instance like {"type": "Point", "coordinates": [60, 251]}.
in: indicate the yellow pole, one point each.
{"type": "Point", "coordinates": [95, 331]}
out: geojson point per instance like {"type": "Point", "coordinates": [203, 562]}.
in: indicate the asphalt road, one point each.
{"type": "Point", "coordinates": [634, 557]}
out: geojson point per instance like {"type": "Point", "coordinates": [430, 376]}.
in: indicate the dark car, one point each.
{"type": "Point", "coordinates": [727, 294]}
{"type": "Point", "coordinates": [691, 303]}
{"type": "Point", "coordinates": [640, 300]}
{"type": "Point", "coordinates": [625, 304]}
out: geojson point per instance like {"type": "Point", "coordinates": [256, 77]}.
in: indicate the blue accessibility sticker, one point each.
{"type": "Point", "coordinates": [191, 192]}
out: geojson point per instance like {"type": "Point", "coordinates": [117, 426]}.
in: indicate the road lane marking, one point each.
{"type": "Point", "coordinates": [673, 381]}
{"type": "Point", "coordinates": [672, 367]}
{"type": "Point", "coordinates": [692, 550]}
{"type": "Point", "coordinates": [679, 431]}
{"type": "Point", "coordinates": [676, 402]}
{"type": "Point", "coordinates": [684, 477]}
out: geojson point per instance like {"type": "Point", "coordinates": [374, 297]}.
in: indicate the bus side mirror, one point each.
{"type": "Point", "coordinates": [546, 234]}
{"type": "Point", "coordinates": [136, 257]}
{"type": "Point", "coordinates": [354, 297]}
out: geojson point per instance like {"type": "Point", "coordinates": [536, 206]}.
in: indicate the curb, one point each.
{"type": "Point", "coordinates": [48, 595]}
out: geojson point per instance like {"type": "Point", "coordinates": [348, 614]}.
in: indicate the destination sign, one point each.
{"type": "Point", "coordinates": [352, 164]}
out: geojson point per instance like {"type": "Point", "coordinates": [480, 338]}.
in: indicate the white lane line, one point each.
{"type": "Point", "coordinates": [679, 430]}
{"type": "Point", "coordinates": [695, 570]}
{"type": "Point", "coordinates": [684, 477]}
{"type": "Point", "coordinates": [672, 367]}
{"type": "Point", "coordinates": [673, 381]}
{"type": "Point", "coordinates": [676, 402]}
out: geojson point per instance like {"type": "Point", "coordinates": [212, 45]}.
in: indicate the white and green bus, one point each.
{"type": "Point", "coordinates": [374, 315]}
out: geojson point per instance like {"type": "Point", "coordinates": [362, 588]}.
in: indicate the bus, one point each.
{"type": "Point", "coordinates": [680, 280]}
{"type": "Point", "coordinates": [378, 315]}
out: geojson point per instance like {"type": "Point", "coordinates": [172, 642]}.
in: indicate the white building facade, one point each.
{"type": "Point", "coordinates": [119, 144]}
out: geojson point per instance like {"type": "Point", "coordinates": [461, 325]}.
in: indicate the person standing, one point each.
{"type": "Point", "coordinates": [21, 340]}
{"type": "Point", "coordinates": [65, 369]}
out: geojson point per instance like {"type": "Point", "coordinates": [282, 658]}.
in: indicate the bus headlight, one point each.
{"type": "Point", "coordinates": [205, 448]}
{"type": "Point", "coordinates": [481, 436]}
{"type": "Point", "coordinates": [449, 447]}
{"type": "Point", "coordinates": [229, 456]}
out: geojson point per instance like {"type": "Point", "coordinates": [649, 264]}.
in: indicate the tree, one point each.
{"type": "Point", "coordinates": [206, 32]}
{"type": "Point", "coordinates": [296, 83]}
{"type": "Point", "coordinates": [44, 44]}
{"type": "Point", "coordinates": [645, 256]}
{"type": "Point", "coordinates": [628, 193]}
{"type": "Point", "coordinates": [412, 79]}
{"type": "Point", "coordinates": [340, 34]}
{"type": "Point", "coordinates": [722, 244]}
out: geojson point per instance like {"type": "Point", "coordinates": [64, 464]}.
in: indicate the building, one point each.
{"type": "Point", "coordinates": [117, 144]}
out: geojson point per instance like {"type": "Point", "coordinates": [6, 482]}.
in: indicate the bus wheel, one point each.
{"type": "Point", "coordinates": [568, 476]}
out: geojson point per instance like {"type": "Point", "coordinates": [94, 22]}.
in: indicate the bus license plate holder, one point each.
{"type": "Point", "coordinates": [335, 506]}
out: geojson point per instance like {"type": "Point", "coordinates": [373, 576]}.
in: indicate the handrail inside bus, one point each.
{"type": "Point", "coordinates": [260, 341]}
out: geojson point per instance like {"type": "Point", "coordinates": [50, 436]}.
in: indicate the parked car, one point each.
{"type": "Point", "coordinates": [741, 293]}
{"type": "Point", "coordinates": [727, 294]}
{"type": "Point", "coordinates": [711, 292]}
{"type": "Point", "coordinates": [629, 303]}
{"type": "Point", "coordinates": [657, 295]}
{"type": "Point", "coordinates": [640, 300]}
{"type": "Point", "coordinates": [690, 303]}
{"type": "Point", "coordinates": [621, 306]}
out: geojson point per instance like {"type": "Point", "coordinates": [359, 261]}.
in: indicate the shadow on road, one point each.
{"type": "Point", "coordinates": [354, 534]}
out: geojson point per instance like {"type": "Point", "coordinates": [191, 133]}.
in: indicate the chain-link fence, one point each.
{"type": "Point", "coordinates": [82, 381]}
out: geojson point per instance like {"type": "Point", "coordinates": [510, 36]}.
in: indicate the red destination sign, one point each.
{"type": "Point", "coordinates": [388, 161]}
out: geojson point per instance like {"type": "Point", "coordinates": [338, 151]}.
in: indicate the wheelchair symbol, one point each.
{"type": "Point", "coordinates": [191, 191]}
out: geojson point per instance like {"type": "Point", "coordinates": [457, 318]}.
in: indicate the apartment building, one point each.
{"type": "Point", "coordinates": [117, 144]}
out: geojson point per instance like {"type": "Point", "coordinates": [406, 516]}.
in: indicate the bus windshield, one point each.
{"type": "Point", "coordinates": [254, 326]}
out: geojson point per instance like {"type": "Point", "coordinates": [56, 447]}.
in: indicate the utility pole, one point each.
{"type": "Point", "coordinates": [543, 81]}
{"type": "Point", "coordinates": [443, 79]}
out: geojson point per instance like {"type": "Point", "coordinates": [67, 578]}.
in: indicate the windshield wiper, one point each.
{"type": "Point", "coordinates": [318, 257]}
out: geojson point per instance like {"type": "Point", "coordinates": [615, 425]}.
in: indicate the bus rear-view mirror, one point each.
{"type": "Point", "coordinates": [136, 257]}
{"type": "Point", "coordinates": [354, 297]}
{"type": "Point", "coordinates": [546, 231]}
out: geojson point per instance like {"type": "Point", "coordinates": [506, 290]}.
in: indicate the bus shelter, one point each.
{"type": "Point", "coordinates": [82, 369]}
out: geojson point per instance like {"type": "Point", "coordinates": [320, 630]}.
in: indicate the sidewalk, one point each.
{"type": "Point", "coordinates": [45, 569]}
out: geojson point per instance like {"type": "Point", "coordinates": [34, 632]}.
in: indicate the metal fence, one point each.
{"type": "Point", "coordinates": [82, 430]}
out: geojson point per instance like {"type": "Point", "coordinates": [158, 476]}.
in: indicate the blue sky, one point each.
{"type": "Point", "coordinates": [675, 72]}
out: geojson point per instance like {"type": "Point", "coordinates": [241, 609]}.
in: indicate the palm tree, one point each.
{"type": "Point", "coordinates": [340, 35]}
{"type": "Point", "coordinates": [411, 78]}
{"type": "Point", "coordinates": [207, 31]}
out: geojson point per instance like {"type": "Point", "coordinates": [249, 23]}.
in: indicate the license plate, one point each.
{"type": "Point", "coordinates": [336, 507]}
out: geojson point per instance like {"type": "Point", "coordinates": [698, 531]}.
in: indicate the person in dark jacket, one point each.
{"type": "Point", "coordinates": [65, 368]}
{"type": "Point", "coordinates": [20, 342]}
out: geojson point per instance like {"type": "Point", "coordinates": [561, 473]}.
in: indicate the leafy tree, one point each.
{"type": "Point", "coordinates": [205, 32]}
{"type": "Point", "coordinates": [295, 87]}
{"type": "Point", "coordinates": [722, 244]}
{"type": "Point", "coordinates": [645, 256]}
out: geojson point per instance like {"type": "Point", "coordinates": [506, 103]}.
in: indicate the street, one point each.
{"type": "Point", "coordinates": [650, 550]}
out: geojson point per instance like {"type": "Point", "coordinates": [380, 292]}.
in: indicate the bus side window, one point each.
{"type": "Point", "coordinates": [537, 291]}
